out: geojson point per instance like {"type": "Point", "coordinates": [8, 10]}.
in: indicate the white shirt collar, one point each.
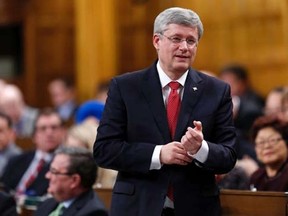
{"type": "Point", "coordinates": [40, 154]}
{"type": "Point", "coordinates": [67, 203]}
{"type": "Point", "coordinates": [165, 80]}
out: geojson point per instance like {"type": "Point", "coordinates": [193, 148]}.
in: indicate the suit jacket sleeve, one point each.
{"type": "Point", "coordinates": [122, 153]}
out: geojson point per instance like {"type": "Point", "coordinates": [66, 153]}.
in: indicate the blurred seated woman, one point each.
{"type": "Point", "coordinates": [270, 137]}
{"type": "Point", "coordinates": [84, 135]}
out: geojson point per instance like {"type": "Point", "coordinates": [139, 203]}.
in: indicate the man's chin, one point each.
{"type": "Point", "coordinates": [182, 67]}
{"type": "Point", "coordinates": [49, 191]}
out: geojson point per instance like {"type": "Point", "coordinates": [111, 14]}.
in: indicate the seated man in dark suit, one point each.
{"type": "Point", "coordinates": [25, 173]}
{"type": "Point", "coordinates": [71, 177]}
{"type": "Point", "coordinates": [7, 205]}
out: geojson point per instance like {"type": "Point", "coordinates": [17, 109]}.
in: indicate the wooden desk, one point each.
{"type": "Point", "coordinates": [248, 203]}
{"type": "Point", "coordinates": [236, 202]}
{"type": "Point", "coordinates": [105, 194]}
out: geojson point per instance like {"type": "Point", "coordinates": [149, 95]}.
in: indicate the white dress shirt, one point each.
{"type": "Point", "coordinates": [202, 153]}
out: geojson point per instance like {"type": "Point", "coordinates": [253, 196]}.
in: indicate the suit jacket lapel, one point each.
{"type": "Point", "coordinates": [152, 90]}
{"type": "Point", "coordinates": [78, 204]}
{"type": "Point", "coordinates": [192, 92]}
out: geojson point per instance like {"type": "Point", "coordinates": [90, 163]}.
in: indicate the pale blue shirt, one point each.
{"type": "Point", "coordinates": [202, 153]}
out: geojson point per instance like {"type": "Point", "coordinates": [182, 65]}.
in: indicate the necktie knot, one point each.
{"type": "Point", "coordinates": [174, 85]}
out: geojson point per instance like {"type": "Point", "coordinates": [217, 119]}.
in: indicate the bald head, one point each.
{"type": "Point", "coordinates": [11, 102]}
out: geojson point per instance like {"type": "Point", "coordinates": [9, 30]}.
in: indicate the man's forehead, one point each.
{"type": "Point", "coordinates": [51, 118]}
{"type": "Point", "coordinates": [60, 160]}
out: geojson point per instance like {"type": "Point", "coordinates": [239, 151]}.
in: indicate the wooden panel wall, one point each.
{"type": "Point", "coordinates": [94, 40]}
{"type": "Point", "coordinates": [96, 44]}
{"type": "Point", "coordinates": [48, 43]}
{"type": "Point", "coordinates": [249, 32]}
{"type": "Point", "coordinates": [49, 46]}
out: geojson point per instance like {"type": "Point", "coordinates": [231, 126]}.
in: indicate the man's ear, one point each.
{"type": "Point", "coordinates": [76, 180]}
{"type": "Point", "coordinates": [156, 39]}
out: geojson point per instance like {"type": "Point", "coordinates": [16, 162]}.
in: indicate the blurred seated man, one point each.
{"type": "Point", "coordinates": [284, 107]}
{"type": "Point", "coordinates": [23, 116]}
{"type": "Point", "coordinates": [248, 104]}
{"type": "Point", "coordinates": [25, 173]}
{"type": "Point", "coordinates": [7, 205]}
{"type": "Point", "coordinates": [273, 102]}
{"type": "Point", "coordinates": [62, 94]}
{"type": "Point", "coordinates": [71, 177]}
{"type": "Point", "coordinates": [8, 148]}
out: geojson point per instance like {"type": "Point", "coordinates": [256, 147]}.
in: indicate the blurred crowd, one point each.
{"type": "Point", "coordinates": [261, 125]}
{"type": "Point", "coordinates": [31, 138]}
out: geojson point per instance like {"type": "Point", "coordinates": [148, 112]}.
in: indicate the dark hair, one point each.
{"type": "Point", "coordinates": [66, 81]}
{"type": "Point", "coordinates": [237, 70]}
{"type": "Point", "coordinates": [82, 163]}
{"type": "Point", "coordinates": [269, 121]}
{"type": "Point", "coordinates": [48, 111]}
{"type": "Point", "coordinates": [7, 119]}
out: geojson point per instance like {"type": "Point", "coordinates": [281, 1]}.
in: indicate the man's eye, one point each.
{"type": "Point", "coordinates": [176, 39]}
{"type": "Point", "coordinates": [191, 41]}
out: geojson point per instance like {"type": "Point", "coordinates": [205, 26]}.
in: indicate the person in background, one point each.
{"type": "Point", "coordinates": [92, 109]}
{"type": "Point", "coordinates": [273, 102]}
{"type": "Point", "coordinates": [3, 83]}
{"type": "Point", "coordinates": [7, 205]}
{"type": "Point", "coordinates": [83, 135]}
{"type": "Point", "coordinates": [101, 91]}
{"type": "Point", "coordinates": [71, 176]}
{"type": "Point", "coordinates": [248, 104]}
{"type": "Point", "coordinates": [270, 136]}
{"type": "Point", "coordinates": [23, 116]}
{"type": "Point", "coordinates": [24, 174]}
{"type": "Point", "coordinates": [167, 166]}
{"type": "Point", "coordinates": [284, 107]}
{"type": "Point", "coordinates": [63, 97]}
{"type": "Point", "coordinates": [8, 148]}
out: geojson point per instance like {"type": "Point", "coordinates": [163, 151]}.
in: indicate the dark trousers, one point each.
{"type": "Point", "coordinates": [168, 212]}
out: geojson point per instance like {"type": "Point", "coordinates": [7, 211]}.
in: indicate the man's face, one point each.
{"type": "Point", "coordinates": [176, 58]}
{"type": "Point", "coordinates": [6, 134]}
{"type": "Point", "coordinates": [49, 133]}
{"type": "Point", "coordinates": [61, 182]}
{"type": "Point", "coordinates": [59, 93]}
{"type": "Point", "coordinates": [237, 85]}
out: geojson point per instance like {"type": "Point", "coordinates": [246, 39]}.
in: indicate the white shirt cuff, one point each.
{"type": "Point", "coordinates": [155, 161]}
{"type": "Point", "coordinates": [202, 153]}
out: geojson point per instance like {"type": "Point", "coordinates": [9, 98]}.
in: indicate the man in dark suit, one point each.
{"type": "Point", "coordinates": [25, 173]}
{"type": "Point", "coordinates": [7, 205]}
{"type": "Point", "coordinates": [165, 170]}
{"type": "Point", "coordinates": [71, 177]}
{"type": "Point", "coordinates": [248, 104]}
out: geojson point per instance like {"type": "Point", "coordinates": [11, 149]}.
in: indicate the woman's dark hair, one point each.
{"type": "Point", "coordinates": [269, 121]}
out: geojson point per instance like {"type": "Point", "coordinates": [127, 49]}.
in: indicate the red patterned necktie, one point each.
{"type": "Point", "coordinates": [173, 108]}
{"type": "Point", "coordinates": [33, 175]}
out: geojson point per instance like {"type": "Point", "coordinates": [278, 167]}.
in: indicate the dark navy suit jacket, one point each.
{"type": "Point", "coordinates": [134, 121]}
{"type": "Point", "coordinates": [87, 204]}
{"type": "Point", "coordinates": [16, 168]}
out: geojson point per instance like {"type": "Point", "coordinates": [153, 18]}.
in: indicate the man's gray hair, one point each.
{"type": "Point", "coordinates": [179, 16]}
{"type": "Point", "coordinates": [81, 162]}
